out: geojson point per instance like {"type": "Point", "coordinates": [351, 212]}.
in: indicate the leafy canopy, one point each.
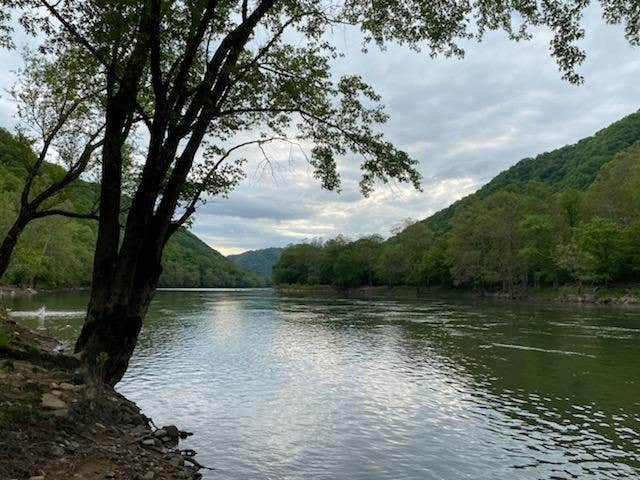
{"type": "Point", "coordinates": [215, 71]}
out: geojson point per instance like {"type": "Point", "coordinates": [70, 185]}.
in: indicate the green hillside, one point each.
{"type": "Point", "coordinates": [570, 167]}
{"type": "Point", "coordinates": [567, 217]}
{"type": "Point", "coordinates": [189, 262]}
{"type": "Point", "coordinates": [58, 252]}
{"type": "Point", "coordinates": [260, 262]}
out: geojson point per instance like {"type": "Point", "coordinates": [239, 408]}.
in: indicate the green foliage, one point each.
{"type": "Point", "coordinates": [299, 264]}
{"type": "Point", "coordinates": [435, 266]}
{"type": "Point", "coordinates": [566, 170]}
{"type": "Point", "coordinates": [599, 244]}
{"type": "Point", "coordinates": [615, 193]}
{"type": "Point", "coordinates": [539, 242]}
{"type": "Point", "coordinates": [400, 258]}
{"type": "Point", "coordinates": [264, 68]}
{"type": "Point", "coordinates": [189, 262]}
{"type": "Point", "coordinates": [58, 252]}
{"type": "Point", "coordinates": [260, 262]}
{"type": "Point", "coordinates": [515, 234]}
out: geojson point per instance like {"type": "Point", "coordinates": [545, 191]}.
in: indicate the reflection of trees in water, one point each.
{"type": "Point", "coordinates": [566, 376]}
{"type": "Point", "coordinates": [582, 400]}
{"type": "Point", "coordinates": [569, 404]}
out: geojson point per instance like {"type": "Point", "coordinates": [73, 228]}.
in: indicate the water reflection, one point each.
{"type": "Point", "coordinates": [295, 387]}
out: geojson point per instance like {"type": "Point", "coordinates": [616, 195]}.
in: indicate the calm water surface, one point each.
{"type": "Point", "coordinates": [279, 387]}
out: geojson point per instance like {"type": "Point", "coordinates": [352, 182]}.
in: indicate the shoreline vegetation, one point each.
{"type": "Point", "coordinates": [52, 423]}
{"type": "Point", "coordinates": [610, 295]}
{"type": "Point", "coordinates": [628, 295]}
{"type": "Point", "coordinates": [565, 221]}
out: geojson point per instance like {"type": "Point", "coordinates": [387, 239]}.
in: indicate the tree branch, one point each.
{"type": "Point", "coordinates": [48, 140]}
{"type": "Point", "coordinates": [72, 174]}
{"type": "Point", "coordinates": [65, 213]}
{"type": "Point", "coordinates": [93, 51]}
{"type": "Point", "coordinates": [177, 95]}
{"type": "Point", "coordinates": [156, 54]}
{"type": "Point", "coordinates": [191, 207]}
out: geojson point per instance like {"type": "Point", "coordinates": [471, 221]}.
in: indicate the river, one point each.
{"type": "Point", "coordinates": [304, 387]}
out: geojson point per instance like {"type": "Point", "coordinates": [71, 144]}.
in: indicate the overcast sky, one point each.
{"type": "Point", "coordinates": [464, 120]}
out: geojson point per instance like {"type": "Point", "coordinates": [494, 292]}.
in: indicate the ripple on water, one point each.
{"type": "Point", "coordinates": [298, 388]}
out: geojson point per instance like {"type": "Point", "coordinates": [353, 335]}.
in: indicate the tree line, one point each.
{"type": "Point", "coordinates": [522, 236]}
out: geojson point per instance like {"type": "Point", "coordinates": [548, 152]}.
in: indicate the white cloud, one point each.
{"type": "Point", "coordinates": [465, 120]}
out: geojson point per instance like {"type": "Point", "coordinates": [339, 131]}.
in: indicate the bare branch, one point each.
{"type": "Point", "coordinates": [65, 213]}
{"type": "Point", "coordinates": [244, 10]}
{"type": "Point", "coordinates": [72, 174]}
{"type": "Point", "coordinates": [191, 207]}
{"type": "Point", "coordinates": [48, 140]}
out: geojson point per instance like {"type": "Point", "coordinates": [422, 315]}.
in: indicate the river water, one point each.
{"type": "Point", "coordinates": [303, 387]}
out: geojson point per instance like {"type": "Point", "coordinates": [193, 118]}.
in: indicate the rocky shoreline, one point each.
{"type": "Point", "coordinates": [53, 426]}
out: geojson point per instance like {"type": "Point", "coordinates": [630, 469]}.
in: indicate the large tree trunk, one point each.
{"type": "Point", "coordinates": [113, 320]}
{"type": "Point", "coordinates": [110, 332]}
{"type": "Point", "coordinates": [9, 243]}
{"type": "Point", "coordinates": [126, 273]}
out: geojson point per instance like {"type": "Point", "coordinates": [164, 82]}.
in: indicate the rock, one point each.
{"type": "Point", "coordinates": [172, 432]}
{"type": "Point", "coordinates": [109, 475]}
{"type": "Point", "coordinates": [176, 460]}
{"type": "Point", "coordinates": [57, 450]}
{"type": "Point", "coordinates": [52, 402]}
{"type": "Point", "coordinates": [149, 442]}
{"type": "Point", "coordinates": [38, 477]}
{"type": "Point", "coordinates": [78, 378]}
{"type": "Point", "coordinates": [57, 393]}
{"type": "Point", "coordinates": [67, 386]}
{"type": "Point", "coordinates": [60, 413]}
{"type": "Point", "coordinates": [161, 432]}
{"type": "Point", "coordinates": [166, 439]}
{"type": "Point", "coordinates": [150, 475]}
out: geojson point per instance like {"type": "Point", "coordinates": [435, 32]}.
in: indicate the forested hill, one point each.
{"type": "Point", "coordinates": [189, 262]}
{"type": "Point", "coordinates": [570, 167]}
{"type": "Point", "coordinates": [58, 252]}
{"type": "Point", "coordinates": [260, 262]}
{"type": "Point", "coordinates": [571, 216]}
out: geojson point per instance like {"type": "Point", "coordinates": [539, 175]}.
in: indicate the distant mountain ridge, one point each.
{"type": "Point", "coordinates": [260, 262]}
{"type": "Point", "coordinates": [58, 252]}
{"type": "Point", "coordinates": [572, 166]}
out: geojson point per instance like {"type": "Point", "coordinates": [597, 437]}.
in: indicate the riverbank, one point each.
{"type": "Point", "coordinates": [616, 295]}
{"type": "Point", "coordinates": [9, 291]}
{"type": "Point", "coordinates": [53, 426]}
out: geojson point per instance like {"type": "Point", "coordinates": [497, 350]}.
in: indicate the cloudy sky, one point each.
{"type": "Point", "coordinates": [464, 120]}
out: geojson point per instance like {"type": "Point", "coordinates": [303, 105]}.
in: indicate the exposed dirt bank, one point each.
{"type": "Point", "coordinates": [54, 427]}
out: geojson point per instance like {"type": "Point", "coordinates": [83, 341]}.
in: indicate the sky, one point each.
{"type": "Point", "coordinates": [465, 120]}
